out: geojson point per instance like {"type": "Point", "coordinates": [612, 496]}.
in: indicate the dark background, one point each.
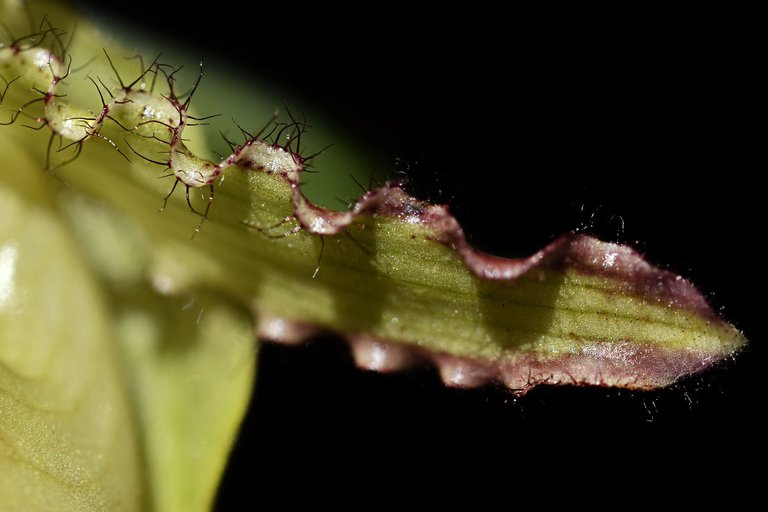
{"type": "Point", "coordinates": [637, 125]}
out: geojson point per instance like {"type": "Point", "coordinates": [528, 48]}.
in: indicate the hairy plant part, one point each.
{"type": "Point", "coordinates": [580, 311]}
{"type": "Point", "coordinates": [393, 274]}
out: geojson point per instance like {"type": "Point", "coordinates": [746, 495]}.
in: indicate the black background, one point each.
{"type": "Point", "coordinates": [637, 125]}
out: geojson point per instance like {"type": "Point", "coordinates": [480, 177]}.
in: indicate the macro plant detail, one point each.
{"type": "Point", "coordinates": [252, 256]}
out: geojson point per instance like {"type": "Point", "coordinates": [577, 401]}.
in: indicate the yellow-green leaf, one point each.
{"type": "Point", "coordinates": [67, 436]}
